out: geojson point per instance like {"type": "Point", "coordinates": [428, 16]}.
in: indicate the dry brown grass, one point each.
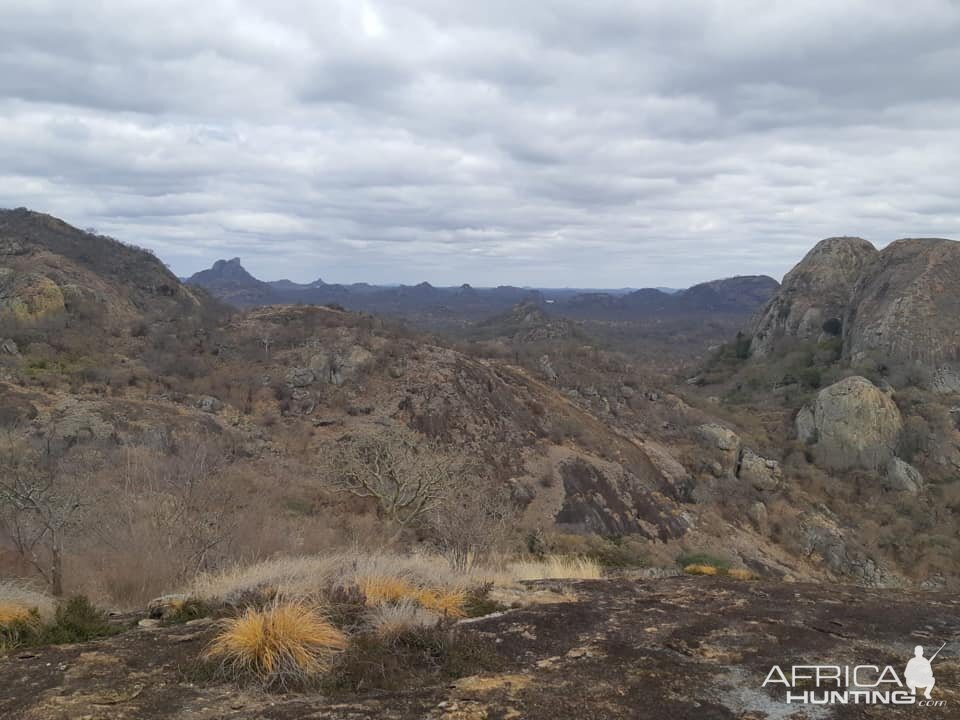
{"type": "Point", "coordinates": [393, 620]}
{"type": "Point", "coordinates": [286, 644]}
{"type": "Point", "coordinates": [19, 597]}
{"type": "Point", "coordinates": [386, 589]}
{"type": "Point", "coordinates": [313, 576]}
{"type": "Point", "coordinates": [11, 613]}
{"type": "Point", "coordinates": [384, 577]}
{"type": "Point", "coordinates": [552, 567]}
{"type": "Point", "coordinates": [382, 589]}
{"type": "Point", "coordinates": [697, 569]}
{"type": "Point", "coordinates": [448, 603]}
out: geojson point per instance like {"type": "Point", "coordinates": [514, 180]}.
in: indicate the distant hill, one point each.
{"type": "Point", "coordinates": [229, 281]}
{"type": "Point", "coordinates": [741, 295]}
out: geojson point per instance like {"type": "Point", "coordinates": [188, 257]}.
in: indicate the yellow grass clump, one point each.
{"type": "Point", "coordinates": [11, 613]}
{"type": "Point", "coordinates": [741, 574]}
{"type": "Point", "coordinates": [18, 597]}
{"type": "Point", "coordinates": [307, 577]}
{"type": "Point", "coordinates": [449, 603]}
{"type": "Point", "coordinates": [552, 567]}
{"type": "Point", "coordinates": [386, 589]}
{"type": "Point", "coordinates": [287, 643]}
{"type": "Point", "coordinates": [697, 569]}
{"type": "Point", "coordinates": [380, 589]}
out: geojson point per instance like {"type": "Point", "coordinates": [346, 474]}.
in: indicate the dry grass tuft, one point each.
{"type": "Point", "coordinates": [309, 577]}
{"type": "Point", "coordinates": [448, 603]}
{"type": "Point", "coordinates": [700, 570]}
{"type": "Point", "coordinates": [14, 594]}
{"type": "Point", "coordinates": [381, 589]}
{"type": "Point", "coordinates": [703, 569]}
{"type": "Point", "coordinates": [392, 621]}
{"type": "Point", "coordinates": [385, 589]}
{"type": "Point", "coordinates": [11, 613]}
{"type": "Point", "coordinates": [552, 567]}
{"type": "Point", "coordinates": [286, 644]}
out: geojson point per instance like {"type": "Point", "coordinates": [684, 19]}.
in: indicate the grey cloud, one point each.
{"type": "Point", "coordinates": [556, 143]}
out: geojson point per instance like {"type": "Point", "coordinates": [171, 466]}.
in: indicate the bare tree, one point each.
{"type": "Point", "coordinates": [406, 474]}
{"type": "Point", "coordinates": [471, 519]}
{"type": "Point", "coordinates": [267, 341]}
{"type": "Point", "coordinates": [185, 498]}
{"type": "Point", "coordinates": [42, 503]}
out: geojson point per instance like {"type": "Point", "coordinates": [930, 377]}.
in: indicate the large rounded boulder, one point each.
{"type": "Point", "coordinates": [852, 424]}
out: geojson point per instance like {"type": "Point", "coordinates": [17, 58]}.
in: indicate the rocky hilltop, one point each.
{"type": "Point", "coordinates": [50, 270]}
{"type": "Point", "coordinates": [898, 307]}
{"type": "Point", "coordinates": [230, 281]}
{"type": "Point", "coordinates": [104, 347]}
{"type": "Point", "coordinates": [817, 290]}
{"type": "Point", "coordinates": [905, 310]}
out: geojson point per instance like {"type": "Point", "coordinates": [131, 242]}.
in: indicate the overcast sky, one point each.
{"type": "Point", "coordinates": [550, 143]}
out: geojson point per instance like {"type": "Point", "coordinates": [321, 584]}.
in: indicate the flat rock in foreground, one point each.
{"type": "Point", "coordinates": [686, 647]}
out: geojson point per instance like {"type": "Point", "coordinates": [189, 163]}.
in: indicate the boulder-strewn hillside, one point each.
{"type": "Point", "coordinates": [158, 382]}
{"type": "Point", "coordinates": [852, 373]}
{"type": "Point", "coordinates": [155, 370]}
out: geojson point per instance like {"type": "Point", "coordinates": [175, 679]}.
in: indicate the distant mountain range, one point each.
{"type": "Point", "coordinates": [229, 281]}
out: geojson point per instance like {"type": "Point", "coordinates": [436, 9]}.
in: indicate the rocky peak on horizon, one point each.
{"type": "Point", "coordinates": [224, 272]}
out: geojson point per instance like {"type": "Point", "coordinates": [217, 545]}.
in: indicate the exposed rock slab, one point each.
{"type": "Point", "coordinates": [671, 649]}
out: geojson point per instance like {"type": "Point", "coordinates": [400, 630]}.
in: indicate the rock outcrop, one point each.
{"type": "Point", "coordinates": [29, 296]}
{"type": "Point", "coordinates": [818, 289]}
{"type": "Point", "coordinates": [905, 310]}
{"type": "Point", "coordinates": [677, 648]}
{"type": "Point", "coordinates": [852, 424]}
{"type": "Point", "coordinates": [739, 461]}
{"type": "Point", "coordinates": [762, 473]}
{"type": "Point", "coordinates": [903, 477]}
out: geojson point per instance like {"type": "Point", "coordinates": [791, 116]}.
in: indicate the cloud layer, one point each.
{"type": "Point", "coordinates": [584, 143]}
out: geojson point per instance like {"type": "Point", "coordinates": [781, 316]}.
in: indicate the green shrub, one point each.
{"type": "Point", "coordinates": [478, 602]}
{"type": "Point", "coordinates": [77, 620]}
{"type": "Point", "coordinates": [741, 346]}
{"type": "Point", "coordinates": [610, 552]}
